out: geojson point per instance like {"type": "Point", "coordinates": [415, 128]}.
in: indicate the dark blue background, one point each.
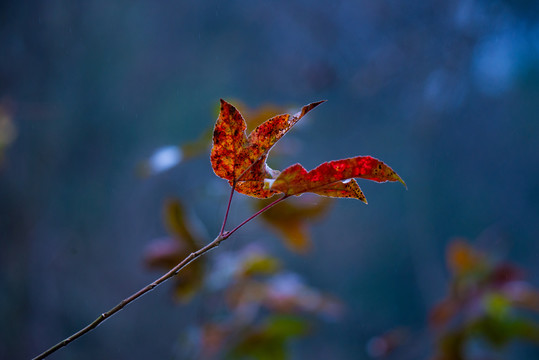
{"type": "Point", "coordinates": [446, 92]}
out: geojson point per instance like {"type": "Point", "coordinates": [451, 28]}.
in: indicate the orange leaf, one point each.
{"type": "Point", "coordinates": [463, 258]}
{"type": "Point", "coordinates": [165, 253]}
{"type": "Point", "coordinates": [290, 219]}
{"type": "Point", "coordinates": [296, 235]}
{"type": "Point", "coordinates": [236, 157]}
{"type": "Point", "coordinates": [443, 312]}
{"type": "Point", "coordinates": [327, 178]}
{"type": "Point", "coordinates": [178, 223]}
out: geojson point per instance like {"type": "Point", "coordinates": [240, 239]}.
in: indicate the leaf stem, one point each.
{"type": "Point", "coordinates": [228, 233]}
{"type": "Point", "coordinates": [233, 188]}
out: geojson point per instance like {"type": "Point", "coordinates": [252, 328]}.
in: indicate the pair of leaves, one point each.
{"type": "Point", "coordinates": [241, 159]}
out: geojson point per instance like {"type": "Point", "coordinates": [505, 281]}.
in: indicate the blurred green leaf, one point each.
{"type": "Point", "coordinates": [286, 326]}
{"type": "Point", "coordinates": [260, 264]}
{"type": "Point", "coordinates": [270, 340]}
{"type": "Point", "coordinates": [500, 331]}
{"type": "Point", "coordinates": [497, 305]}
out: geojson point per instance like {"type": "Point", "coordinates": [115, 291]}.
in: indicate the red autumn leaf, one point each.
{"type": "Point", "coordinates": [228, 140]}
{"type": "Point", "coordinates": [327, 178]}
{"type": "Point", "coordinates": [342, 189]}
{"type": "Point", "coordinates": [252, 182]}
{"type": "Point", "coordinates": [237, 157]}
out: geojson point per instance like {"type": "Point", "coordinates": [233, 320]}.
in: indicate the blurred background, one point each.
{"type": "Point", "coordinates": [445, 92]}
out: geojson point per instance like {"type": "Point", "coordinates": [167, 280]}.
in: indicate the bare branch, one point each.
{"type": "Point", "coordinates": [172, 272]}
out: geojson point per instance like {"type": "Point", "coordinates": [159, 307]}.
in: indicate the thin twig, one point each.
{"type": "Point", "coordinates": [232, 190]}
{"type": "Point", "coordinates": [172, 272]}
{"type": "Point", "coordinates": [228, 233]}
